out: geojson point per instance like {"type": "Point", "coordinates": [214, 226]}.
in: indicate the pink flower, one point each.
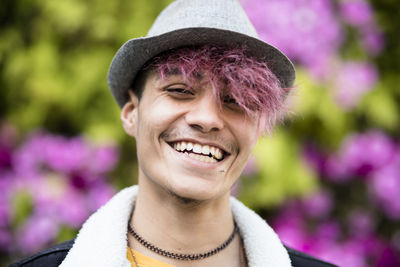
{"type": "Point", "coordinates": [36, 233]}
{"type": "Point", "coordinates": [359, 14]}
{"type": "Point", "coordinates": [337, 170]}
{"type": "Point", "coordinates": [292, 236]}
{"type": "Point", "coordinates": [103, 159]}
{"type": "Point", "coordinates": [389, 257]}
{"type": "Point", "coordinates": [7, 188]}
{"type": "Point", "coordinates": [73, 209]}
{"type": "Point", "coordinates": [62, 180]}
{"type": "Point", "coordinates": [65, 155]}
{"type": "Point", "coordinates": [5, 240]}
{"type": "Point", "coordinates": [315, 158]}
{"type": "Point", "coordinates": [74, 155]}
{"type": "Point", "coordinates": [306, 30]}
{"type": "Point", "coordinates": [364, 153]}
{"type": "Point", "coordinates": [356, 12]}
{"type": "Point", "coordinates": [290, 227]}
{"type": "Point", "coordinates": [353, 254]}
{"type": "Point", "coordinates": [5, 214]}
{"type": "Point", "coordinates": [354, 79]}
{"type": "Point", "coordinates": [385, 188]}
{"type": "Point", "coordinates": [8, 136]}
{"type": "Point", "coordinates": [345, 253]}
{"type": "Point", "coordinates": [318, 204]}
{"type": "Point", "coordinates": [372, 39]}
{"type": "Point", "coordinates": [361, 223]}
{"type": "Point", "coordinates": [5, 157]}
{"type": "Point", "coordinates": [99, 194]}
{"type": "Point", "coordinates": [328, 230]}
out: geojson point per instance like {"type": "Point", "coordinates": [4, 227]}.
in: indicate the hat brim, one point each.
{"type": "Point", "coordinates": [131, 57]}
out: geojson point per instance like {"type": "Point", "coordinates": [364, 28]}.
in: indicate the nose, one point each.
{"type": "Point", "coordinates": [205, 115]}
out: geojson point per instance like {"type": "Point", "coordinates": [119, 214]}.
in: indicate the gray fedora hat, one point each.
{"type": "Point", "coordinates": [194, 23]}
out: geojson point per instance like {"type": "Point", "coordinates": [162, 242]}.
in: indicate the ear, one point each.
{"type": "Point", "coordinates": [129, 114]}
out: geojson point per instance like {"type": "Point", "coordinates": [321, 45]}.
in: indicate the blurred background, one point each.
{"type": "Point", "coordinates": [328, 179]}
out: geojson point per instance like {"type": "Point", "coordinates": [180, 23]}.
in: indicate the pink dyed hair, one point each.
{"type": "Point", "coordinates": [231, 72]}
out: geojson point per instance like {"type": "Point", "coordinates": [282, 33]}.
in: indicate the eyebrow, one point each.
{"type": "Point", "coordinates": [174, 71]}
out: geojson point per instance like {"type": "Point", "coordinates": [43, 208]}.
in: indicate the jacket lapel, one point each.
{"type": "Point", "coordinates": [102, 240]}
{"type": "Point", "coordinates": [262, 245]}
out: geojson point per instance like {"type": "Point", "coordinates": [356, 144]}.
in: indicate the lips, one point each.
{"type": "Point", "coordinates": [205, 153]}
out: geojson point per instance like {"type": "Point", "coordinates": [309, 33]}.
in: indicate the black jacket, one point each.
{"type": "Point", "coordinates": [54, 256]}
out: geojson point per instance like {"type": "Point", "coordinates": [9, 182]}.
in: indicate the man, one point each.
{"type": "Point", "coordinates": [195, 94]}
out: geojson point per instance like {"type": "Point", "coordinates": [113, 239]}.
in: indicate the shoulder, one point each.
{"type": "Point", "coordinates": [300, 259]}
{"type": "Point", "coordinates": [49, 258]}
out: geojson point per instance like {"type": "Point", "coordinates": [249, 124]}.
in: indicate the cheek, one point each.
{"type": "Point", "coordinates": [162, 111]}
{"type": "Point", "coordinates": [155, 118]}
{"type": "Point", "coordinates": [247, 134]}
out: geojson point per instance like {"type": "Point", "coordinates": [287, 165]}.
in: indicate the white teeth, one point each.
{"type": "Point", "coordinates": [206, 150]}
{"type": "Point", "coordinates": [212, 150]}
{"type": "Point", "coordinates": [183, 146]}
{"type": "Point", "coordinates": [189, 146]}
{"type": "Point", "coordinates": [218, 154]}
{"type": "Point", "coordinates": [202, 158]}
{"type": "Point", "coordinates": [197, 148]}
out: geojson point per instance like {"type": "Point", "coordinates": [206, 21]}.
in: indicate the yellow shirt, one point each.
{"type": "Point", "coordinates": [144, 261]}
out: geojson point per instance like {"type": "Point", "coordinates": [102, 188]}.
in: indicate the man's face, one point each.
{"type": "Point", "coordinates": [186, 143]}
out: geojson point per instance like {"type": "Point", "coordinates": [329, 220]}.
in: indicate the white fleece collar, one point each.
{"type": "Point", "coordinates": [102, 240]}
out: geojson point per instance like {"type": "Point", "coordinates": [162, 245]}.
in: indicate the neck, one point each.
{"type": "Point", "coordinates": [182, 225]}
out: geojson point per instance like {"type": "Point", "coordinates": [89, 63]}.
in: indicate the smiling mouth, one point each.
{"type": "Point", "coordinates": [205, 153]}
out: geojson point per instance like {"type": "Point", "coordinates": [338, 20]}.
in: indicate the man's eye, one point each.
{"type": "Point", "coordinates": [230, 100]}
{"type": "Point", "coordinates": [179, 91]}
{"type": "Point", "coordinates": [232, 104]}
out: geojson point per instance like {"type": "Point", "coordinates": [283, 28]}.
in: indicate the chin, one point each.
{"type": "Point", "coordinates": [200, 191]}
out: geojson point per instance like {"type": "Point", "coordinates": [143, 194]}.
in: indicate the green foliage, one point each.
{"type": "Point", "coordinates": [381, 109]}
{"type": "Point", "coordinates": [282, 172]}
{"type": "Point", "coordinates": [66, 233]}
{"type": "Point", "coordinates": [54, 61]}
{"type": "Point", "coordinates": [22, 206]}
{"type": "Point", "coordinates": [387, 16]}
{"type": "Point", "coordinates": [317, 114]}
